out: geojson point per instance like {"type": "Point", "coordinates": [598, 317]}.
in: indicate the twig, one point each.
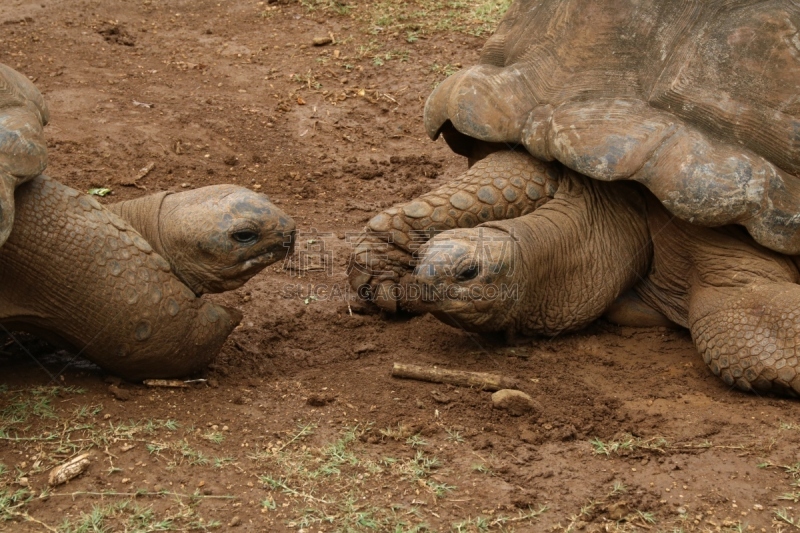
{"type": "Point", "coordinates": [142, 173]}
{"type": "Point", "coordinates": [145, 493]}
{"type": "Point", "coordinates": [481, 380]}
{"type": "Point", "coordinates": [29, 518]}
{"type": "Point", "coordinates": [167, 383]}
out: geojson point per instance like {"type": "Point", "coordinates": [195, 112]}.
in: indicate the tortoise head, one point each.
{"type": "Point", "coordinates": [466, 278]}
{"type": "Point", "coordinates": [23, 151]}
{"type": "Point", "coordinates": [218, 237]}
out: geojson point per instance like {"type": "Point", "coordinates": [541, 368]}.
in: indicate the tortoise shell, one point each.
{"type": "Point", "coordinates": [697, 100]}
{"type": "Point", "coordinates": [23, 151]}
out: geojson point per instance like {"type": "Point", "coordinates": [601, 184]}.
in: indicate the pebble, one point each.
{"type": "Point", "coordinates": [120, 394]}
{"type": "Point", "coordinates": [618, 511]}
{"type": "Point", "coordinates": [235, 521]}
{"type": "Point", "coordinates": [322, 41]}
{"type": "Point", "coordinates": [526, 435]}
{"type": "Point", "coordinates": [514, 401]}
{"type": "Point", "coordinates": [364, 348]}
{"type": "Point", "coordinates": [441, 397]}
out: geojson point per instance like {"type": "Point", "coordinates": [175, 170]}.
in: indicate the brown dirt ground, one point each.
{"type": "Point", "coordinates": [235, 92]}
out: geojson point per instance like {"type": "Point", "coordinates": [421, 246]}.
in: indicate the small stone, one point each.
{"type": "Point", "coordinates": [364, 348]}
{"type": "Point", "coordinates": [441, 397]}
{"type": "Point", "coordinates": [618, 511]}
{"type": "Point", "coordinates": [526, 435]}
{"type": "Point", "coordinates": [23, 482]}
{"type": "Point", "coordinates": [321, 41]}
{"type": "Point", "coordinates": [320, 400]}
{"type": "Point", "coordinates": [515, 402]}
{"type": "Point", "coordinates": [235, 521]}
{"type": "Point", "coordinates": [120, 394]}
{"type": "Point", "coordinates": [758, 507]}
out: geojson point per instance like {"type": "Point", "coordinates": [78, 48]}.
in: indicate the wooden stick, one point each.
{"type": "Point", "coordinates": [142, 173]}
{"type": "Point", "coordinates": [481, 380]}
{"type": "Point", "coordinates": [168, 383]}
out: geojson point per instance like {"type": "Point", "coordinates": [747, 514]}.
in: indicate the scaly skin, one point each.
{"type": "Point", "coordinates": [578, 254]}
{"type": "Point", "coordinates": [740, 301]}
{"type": "Point", "coordinates": [76, 273]}
{"type": "Point", "coordinates": [554, 270]}
{"type": "Point", "coordinates": [502, 185]}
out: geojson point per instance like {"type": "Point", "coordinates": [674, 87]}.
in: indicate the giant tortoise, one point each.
{"type": "Point", "coordinates": [121, 285]}
{"type": "Point", "coordinates": [633, 158]}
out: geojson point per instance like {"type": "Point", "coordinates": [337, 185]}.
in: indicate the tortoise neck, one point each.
{"type": "Point", "coordinates": [580, 251]}
{"type": "Point", "coordinates": [144, 215]}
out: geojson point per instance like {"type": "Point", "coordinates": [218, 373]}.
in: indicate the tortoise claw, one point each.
{"type": "Point", "coordinates": [376, 266]}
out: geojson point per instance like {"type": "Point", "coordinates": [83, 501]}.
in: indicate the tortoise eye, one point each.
{"type": "Point", "coordinates": [471, 272]}
{"type": "Point", "coordinates": [245, 236]}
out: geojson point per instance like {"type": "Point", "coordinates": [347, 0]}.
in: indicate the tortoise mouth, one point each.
{"type": "Point", "coordinates": [272, 250]}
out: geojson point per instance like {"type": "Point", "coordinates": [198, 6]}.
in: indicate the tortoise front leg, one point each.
{"type": "Point", "coordinates": [502, 186]}
{"type": "Point", "coordinates": [740, 301]}
{"type": "Point", "coordinates": [750, 336]}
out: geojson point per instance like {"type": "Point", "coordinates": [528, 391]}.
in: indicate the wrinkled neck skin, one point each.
{"type": "Point", "coordinates": [143, 214]}
{"type": "Point", "coordinates": [578, 253]}
{"type": "Point", "coordinates": [149, 215]}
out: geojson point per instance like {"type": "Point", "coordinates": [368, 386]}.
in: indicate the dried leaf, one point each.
{"type": "Point", "coordinates": [69, 470]}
